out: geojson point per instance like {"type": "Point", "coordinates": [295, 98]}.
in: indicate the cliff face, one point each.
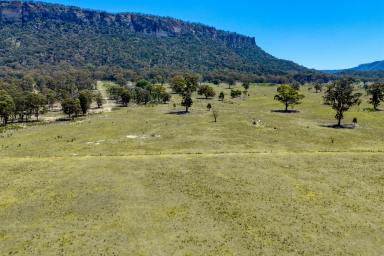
{"type": "Point", "coordinates": [20, 13]}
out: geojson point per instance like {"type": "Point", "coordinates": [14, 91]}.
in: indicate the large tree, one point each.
{"type": "Point", "coordinates": [376, 91]}
{"type": "Point", "coordinates": [341, 96]}
{"type": "Point", "coordinates": [288, 96]}
{"type": "Point", "coordinates": [185, 86]}
{"type": "Point", "coordinates": [7, 107]}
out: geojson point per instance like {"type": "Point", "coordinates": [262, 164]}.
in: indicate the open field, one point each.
{"type": "Point", "coordinates": [147, 181]}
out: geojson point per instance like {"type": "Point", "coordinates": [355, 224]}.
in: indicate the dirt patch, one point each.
{"type": "Point", "coordinates": [142, 137]}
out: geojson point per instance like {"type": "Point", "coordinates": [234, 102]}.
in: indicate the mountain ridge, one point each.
{"type": "Point", "coordinates": [35, 33]}
{"type": "Point", "coordinates": [21, 12]}
{"type": "Point", "coordinates": [373, 66]}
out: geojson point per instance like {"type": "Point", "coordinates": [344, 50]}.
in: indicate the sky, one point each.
{"type": "Point", "coordinates": [321, 34]}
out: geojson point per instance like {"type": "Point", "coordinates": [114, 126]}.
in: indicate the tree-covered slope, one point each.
{"type": "Point", "coordinates": [33, 34]}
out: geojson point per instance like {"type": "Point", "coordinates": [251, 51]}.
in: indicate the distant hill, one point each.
{"type": "Point", "coordinates": [374, 66]}
{"type": "Point", "coordinates": [373, 70]}
{"type": "Point", "coordinates": [35, 33]}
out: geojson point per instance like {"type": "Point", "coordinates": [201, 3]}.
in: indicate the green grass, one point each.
{"type": "Point", "coordinates": [188, 186]}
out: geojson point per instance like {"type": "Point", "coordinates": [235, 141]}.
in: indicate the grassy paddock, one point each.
{"type": "Point", "coordinates": [144, 181]}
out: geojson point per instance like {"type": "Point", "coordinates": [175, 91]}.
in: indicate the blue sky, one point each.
{"type": "Point", "coordinates": [320, 34]}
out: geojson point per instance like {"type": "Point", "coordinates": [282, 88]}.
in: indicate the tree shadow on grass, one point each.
{"type": "Point", "coordinates": [63, 119]}
{"type": "Point", "coordinates": [335, 126]}
{"type": "Point", "coordinates": [203, 98]}
{"type": "Point", "coordinates": [178, 113]}
{"type": "Point", "coordinates": [371, 110]}
{"type": "Point", "coordinates": [292, 111]}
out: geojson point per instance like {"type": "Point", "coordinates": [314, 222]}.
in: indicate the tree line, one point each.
{"type": "Point", "coordinates": [40, 92]}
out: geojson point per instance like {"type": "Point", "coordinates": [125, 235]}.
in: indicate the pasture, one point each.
{"type": "Point", "coordinates": [148, 180]}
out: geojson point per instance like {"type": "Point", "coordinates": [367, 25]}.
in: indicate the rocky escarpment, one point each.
{"type": "Point", "coordinates": [22, 13]}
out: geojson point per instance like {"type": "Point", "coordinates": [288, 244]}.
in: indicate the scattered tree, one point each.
{"type": "Point", "coordinates": [235, 93]}
{"type": "Point", "coordinates": [341, 96]}
{"type": "Point", "coordinates": [99, 100]}
{"type": "Point", "coordinates": [295, 85]}
{"type": "Point", "coordinates": [231, 82]}
{"type": "Point", "coordinates": [187, 102]}
{"type": "Point", "coordinates": [376, 91]}
{"type": "Point", "coordinates": [114, 91]}
{"type": "Point", "coordinates": [160, 95]}
{"type": "Point", "coordinates": [206, 91]}
{"type": "Point", "coordinates": [246, 86]}
{"type": "Point", "coordinates": [71, 107]}
{"type": "Point", "coordinates": [51, 98]}
{"type": "Point", "coordinates": [177, 84]}
{"type": "Point", "coordinates": [36, 104]}
{"type": "Point", "coordinates": [354, 121]}
{"type": "Point", "coordinates": [142, 96]}
{"type": "Point", "coordinates": [185, 86]}
{"type": "Point", "coordinates": [7, 107]}
{"type": "Point", "coordinates": [125, 97]}
{"type": "Point", "coordinates": [215, 114]}
{"type": "Point", "coordinates": [166, 97]}
{"type": "Point", "coordinates": [85, 99]}
{"type": "Point", "coordinates": [221, 96]}
{"type": "Point", "coordinates": [288, 96]}
{"type": "Point", "coordinates": [318, 87]}
{"type": "Point", "coordinates": [144, 84]}
{"type": "Point", "coordinates": [216, 81]}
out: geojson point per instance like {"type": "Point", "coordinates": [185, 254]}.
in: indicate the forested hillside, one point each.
{"type": "Point", "coordinates": [34, 34]}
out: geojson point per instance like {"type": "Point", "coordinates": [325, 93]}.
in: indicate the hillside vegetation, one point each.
{"type": "Point", "coordinates": [147, 180]}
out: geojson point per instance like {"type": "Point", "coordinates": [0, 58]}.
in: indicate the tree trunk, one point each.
{"type": "Point", "coordinates": [186, 109]}
{"type": "Point", "coordinates": [339, 122]}
{"type": "Point", "coordinates": [286, 107]}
